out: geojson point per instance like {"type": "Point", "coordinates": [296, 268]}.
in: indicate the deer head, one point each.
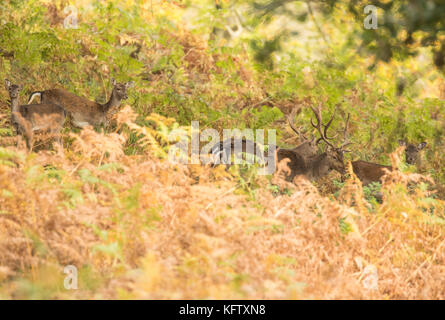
{"type": "Point", "coordinates": [13, 89]}
{"type": "Point", "coordinates": [334, 159]}
{"type": "Point", "coordinates": [304, 159]}
{"type": "Point", "coordinates": [120, 89]}
{"type": "Point", "coordinates": [412, 151]}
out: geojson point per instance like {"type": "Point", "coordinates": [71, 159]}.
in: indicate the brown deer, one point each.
{"type": "Point", "coordinates": [221, 151]}
{"type": "Point", "coordinates": [304, 160]}
{"type": "Point", "coordinates": [26, 119]}
{"type": "Point", "coordinates": [369, 172]}
{"type": "Point", "coordinates": [83, 111]}
{"type": "Point", "coordinates": [317, 166]}
{"type": "Point", "coordinates": [306, 149]}
{"type": "Point", "coordinates": [412, 151]}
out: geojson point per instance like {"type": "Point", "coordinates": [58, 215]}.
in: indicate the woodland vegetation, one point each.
{"type": "Point", "coordinates": [136, 225]}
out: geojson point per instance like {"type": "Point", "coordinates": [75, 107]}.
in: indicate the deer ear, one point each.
{"type": "Point", "coordinates": [20, 86]}
{"type": "Point", "coordinates": [402, 143]}
{"type": "Point", "coordinates": [421, 145]}
{"type": "Point", "coordinates": [129, 84]}
{"type": "Point", "coordinates": [7, 84]}
{"type": "Point", "coordinates": [113, 81]}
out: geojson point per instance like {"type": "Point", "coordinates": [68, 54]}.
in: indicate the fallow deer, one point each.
{"type": "Point", "coordinates": [412, 151]}
{"type": "Point", "coordinates": [84, 112]}
{"type": "Point", "coordinates": [26, 119]}
{"type": "Point", "coordinates": [369, 172]}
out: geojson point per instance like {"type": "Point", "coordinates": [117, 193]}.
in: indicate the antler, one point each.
{"type": "Point", "coordinates": [290, 119]}
{"type": "Point", "coordinates": [322, 128]}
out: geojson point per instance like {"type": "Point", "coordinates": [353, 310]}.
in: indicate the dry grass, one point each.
{"type": "Point", "coordinates": [145, 228]}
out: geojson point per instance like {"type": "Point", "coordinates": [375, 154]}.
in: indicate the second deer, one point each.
{"type": "Point", "coordinates": [369, 172]}
{"type": "Point", "coordinates": [84, 112]}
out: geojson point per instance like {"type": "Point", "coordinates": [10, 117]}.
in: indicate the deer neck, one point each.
{"type": "Point", "coordinates": [14, 104]}
{"type": "Point", "coordinates": [113, 102]}
{"type": "Point", "coordinates": [320, 165]}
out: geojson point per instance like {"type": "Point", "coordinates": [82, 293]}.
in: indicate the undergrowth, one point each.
{"type": "Point", "coordinates": [137, 226]}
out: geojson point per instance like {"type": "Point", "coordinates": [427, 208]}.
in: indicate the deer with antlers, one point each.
{"type": "Point", "coordinates": [303, 159]}
{"type": "Point", "coordinates": [319, 165]}
{"type": "Point", "coordinates": [306, 149]}
{"type": "Point", "coordinates": [298, 156]}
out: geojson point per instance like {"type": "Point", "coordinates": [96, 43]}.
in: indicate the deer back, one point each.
{"type": "Point", "coordinates": [297, 163]}
{"type": "Point", "coordinates": [83, 111]}
{"type": "Point", "coordinates": [68, 100]}
{"type": "Point", "coordinates": [369, 172]}
{"type": "Point", "coordinates": [43, 116]}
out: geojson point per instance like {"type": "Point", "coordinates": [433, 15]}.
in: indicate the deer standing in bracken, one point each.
{"type": "Point", "coordinates": [84, 112]}
{"type": "Point", "coordinates": [27, 119]}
